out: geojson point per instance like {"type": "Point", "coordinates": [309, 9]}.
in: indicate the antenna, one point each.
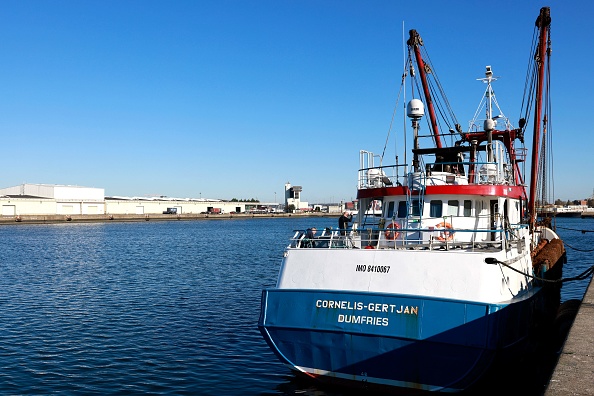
{"type": "Point", "coordinates": [404, 48]}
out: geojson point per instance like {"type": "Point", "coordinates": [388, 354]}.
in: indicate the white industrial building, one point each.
{"type": "Point", "coordinates": [50, 199]}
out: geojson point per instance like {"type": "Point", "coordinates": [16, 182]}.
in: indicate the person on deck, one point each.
{"type": "Point", "coordinates": [343, 222]}
{"type": "Point", "coordinates": [309, 238]}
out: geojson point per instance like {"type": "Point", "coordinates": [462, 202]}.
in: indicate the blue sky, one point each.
{"type": "Point", "coordinates": [232, 99]}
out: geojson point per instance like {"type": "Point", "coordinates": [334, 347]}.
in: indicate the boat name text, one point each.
{"type": "Point", "coordinates": [370, 307]}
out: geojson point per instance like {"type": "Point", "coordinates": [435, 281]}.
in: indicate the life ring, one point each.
{"type": "Point", "coordinates": [447, 234]}
{"type": "Point", "coordinates": [391, 232]}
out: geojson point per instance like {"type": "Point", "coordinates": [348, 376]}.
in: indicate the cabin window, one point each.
{"type": "Point", "coordinates": [483, 208]}
{"type": "Point", "coordinates": [453, 207]}
{"type": "Point", "coordinates": [402, 209]}
{"type": "Point", "coordinates": [416, 207]}
{"type": "Point", "coordinates": [376, 207]}
{"type": "Point", "coordinates": [467, 207]}
{"type": "Point", "coordinates": [518, 210]}
{"type": "Point", "coordinates": [435, 209]}
{"type": "Point", "coordinates": [390, 212]}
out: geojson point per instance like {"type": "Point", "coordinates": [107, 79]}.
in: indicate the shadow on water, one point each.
{"type": "Point", "coordinates": [528, 377]}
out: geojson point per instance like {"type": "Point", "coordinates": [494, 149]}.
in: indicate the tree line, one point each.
{"type": "Point", "coordinates": [589, 202]}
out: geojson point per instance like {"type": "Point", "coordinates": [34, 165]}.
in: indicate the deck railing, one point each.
{"type": "Point", "coordinates": [431, 238]}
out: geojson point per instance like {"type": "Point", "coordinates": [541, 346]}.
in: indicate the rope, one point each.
{"type": "Point", "coordinates": [575, 229]}
{"type": "Point", "coordinates": [579, 250]}
{"type": "Point", "coordinates": [584, 275]}
{"type": "Point", "coordinates": [394, 114]}
{"type": "Point", "coordinates": [574, 248]}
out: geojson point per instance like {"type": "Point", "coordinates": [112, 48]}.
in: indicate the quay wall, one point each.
{"type": "Point", "coordinates": [48, 219]}
{"type": "Point", "coordinates": [574, 372]}
{"type": "Point", "coordinates": [38, 206]}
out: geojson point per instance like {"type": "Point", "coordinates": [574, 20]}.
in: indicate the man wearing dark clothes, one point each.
{"type": "Point", "coordinates": [343, 222]}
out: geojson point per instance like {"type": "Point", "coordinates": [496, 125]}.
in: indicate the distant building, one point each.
{"type": "Point", "coordinates": [41, 199]}
{"type": "Point", "coordinates": [52, 199]}
{"type": "Point", "coordinates": [293, 197]}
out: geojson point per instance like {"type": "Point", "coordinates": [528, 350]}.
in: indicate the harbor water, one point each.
{"type": "Point", "coordinates": [165, 307]}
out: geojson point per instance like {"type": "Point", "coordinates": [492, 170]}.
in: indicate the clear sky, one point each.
{"type": "Point", "coordinates": [234, 98]}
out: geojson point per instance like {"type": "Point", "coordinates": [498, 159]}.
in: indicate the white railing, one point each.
{"type": "Point", "coordinates": [432, 238]}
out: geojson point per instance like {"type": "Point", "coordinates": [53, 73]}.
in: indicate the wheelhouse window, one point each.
{"type": "Point", "coordinates": [467, 208]}
{"type": "Point", "coordinates": [453, 207]}
{"type": "Point", "coordinates": [402, 209]}
{"type": "Point", "coordinates": [435, 208]}
{"type": "Point", "coordinates": [416, 207]}
{"type": "Point", "coordinates": [390, 211]}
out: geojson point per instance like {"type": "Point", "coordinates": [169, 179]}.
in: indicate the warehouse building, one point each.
{"type": "Point", "coordinates": [47, 199]}
{"type": "Point", "coordinates": [51, 199]}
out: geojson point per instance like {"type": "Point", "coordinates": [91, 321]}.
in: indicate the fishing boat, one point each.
{"type": "Point", "coordinates": [450, 276]}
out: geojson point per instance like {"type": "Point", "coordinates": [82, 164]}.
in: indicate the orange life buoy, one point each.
{"type": "Point", "coordinates": [391, 232]}
{"type": "Point", "coordinates": [448, 232]}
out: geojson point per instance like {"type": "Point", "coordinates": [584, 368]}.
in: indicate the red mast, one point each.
{"type": "Point", "coordinates": [542, 22]}
{"type": "Point", "coordinates": [415, 42]}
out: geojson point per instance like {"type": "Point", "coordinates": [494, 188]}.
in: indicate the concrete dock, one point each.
{"type": "Point", "coordinates": [574, 373]}
{"type": "Point", "coordinates": [100, 218]}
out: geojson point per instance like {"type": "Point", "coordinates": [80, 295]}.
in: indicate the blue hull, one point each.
{"type": "Point", "coordinates": [392, 340]}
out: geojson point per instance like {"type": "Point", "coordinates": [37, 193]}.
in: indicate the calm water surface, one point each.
{"type": "Point", "coordinates": [157, 307]}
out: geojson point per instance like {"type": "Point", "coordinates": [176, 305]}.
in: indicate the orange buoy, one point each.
{"type": "Point", "coordinates": [391, 232]}
{"type": "Point", "coordinates": [447, 234]}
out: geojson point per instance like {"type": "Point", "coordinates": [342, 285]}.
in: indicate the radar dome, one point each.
{"type": "Point", "coordinates": [415, 109]}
